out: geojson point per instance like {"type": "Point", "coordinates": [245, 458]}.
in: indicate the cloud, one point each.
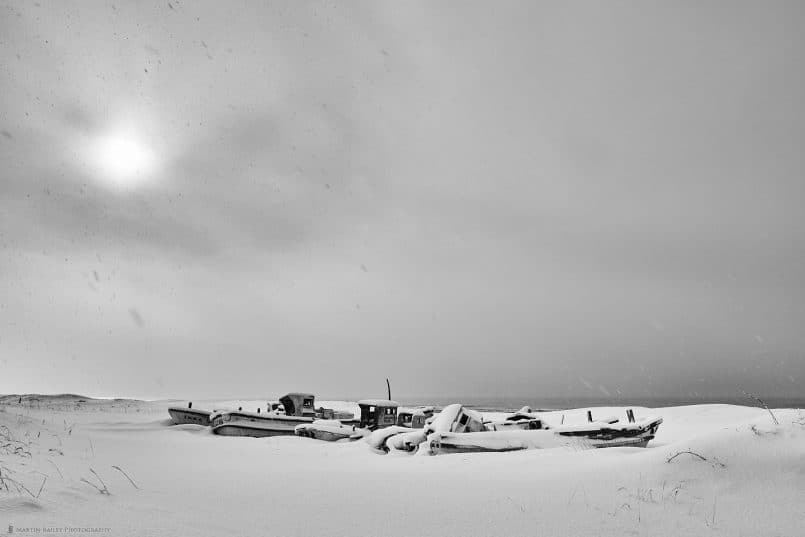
{"type": "Point", "coordinates": [506, 199]}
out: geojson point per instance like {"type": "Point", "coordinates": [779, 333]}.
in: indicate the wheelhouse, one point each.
{"type": "Point", "coordinates": [299, 404]}
{"type": "Point", "coordinates": [414, 419]}
{"type": "Point", "coordinates": [378, 413]}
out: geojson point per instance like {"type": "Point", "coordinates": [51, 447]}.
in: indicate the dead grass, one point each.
{"type": "Point", "coordinates": [103, 489]}
{"type": "Point", "coordinates": [119, 469]}
{"type": "Point", "coordinates": [713, 460]}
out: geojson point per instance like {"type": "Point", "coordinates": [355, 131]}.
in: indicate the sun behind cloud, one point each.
{"type": "Point", "coordinates": [123, 160]}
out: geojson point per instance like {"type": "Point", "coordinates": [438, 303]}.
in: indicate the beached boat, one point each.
{"type": "Point", "coordinates": [594, 434]}
{"type": "Point", "coordinates": [613, 433]}
{"type": "Point", "coordinates": [452, 418]}
{"type": "Point", "coordinates": [254, 424]}
{"type": "Point", "coordinates": [329, 430]}
{"type": "Point", "coordinates": [188, 415]}
{"type": "Point", "coordinates": [298, 409]}
{"type": "Point", "coordinates": [378, 413]}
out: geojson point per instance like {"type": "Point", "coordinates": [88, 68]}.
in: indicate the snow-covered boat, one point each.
{"type": "Point", "coordinates": [298, 409]}
{"type": "Point", "coordinates": [524, 418]}
{"type": "Point", "coordinates": [379, 419]}
{"type": "Point", "coordinates": [452, 418]}
{"type": "Point", "coordinates": [613, 433]}
{"type": "Point", "coordinates": [188, 415]}
{"type": "Point", "coordinates": [329, 430]}
{"type": "Point", "coordinates": [379, 438]}
{"type": "Point", "coordinates": [596, 434]}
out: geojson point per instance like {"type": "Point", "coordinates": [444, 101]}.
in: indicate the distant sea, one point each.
{"type": "Point", "coordinates": [559, 403]}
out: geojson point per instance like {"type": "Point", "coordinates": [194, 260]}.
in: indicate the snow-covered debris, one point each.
{"type": "Point", "coordinates": [514, 440]}
{"type": "Point", "coordinates": [377, 440]}
{"type": "Point", "coordinates": [409, 441]}
{"type": "Point", "coordinates": [330, 430]}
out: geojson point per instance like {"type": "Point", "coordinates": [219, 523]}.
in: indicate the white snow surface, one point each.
{"type": "Point", "coordinates": [193, 483]}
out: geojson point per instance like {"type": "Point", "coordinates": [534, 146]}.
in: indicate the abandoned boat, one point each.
{"type": "Point", "coordinates": [604, 433]}
{"type": "Point", "coordinates": [329, 430]}
{"type": "Point", "coordinates": [379, 419]}
{"type": "Point", "coordinates": [298, 409]}
{"type": "Point", "coordinates": [524, 418]}
{"type": "Point", "coordinates": [613, 433]}
{"type": "Point", "coordinates": [452, 418]}
{"type": "Point", "coordinates": [189, 415]}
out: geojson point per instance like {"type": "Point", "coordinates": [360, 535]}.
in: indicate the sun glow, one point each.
{"type": "Point", "coordinates": [122, 160]}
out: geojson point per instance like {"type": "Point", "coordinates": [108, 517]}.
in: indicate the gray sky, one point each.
{"type": "Point", "coordinates": [221, 199]}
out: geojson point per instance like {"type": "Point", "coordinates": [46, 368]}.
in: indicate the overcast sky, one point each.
{"type": "Point", "coordinates": [243, 199]}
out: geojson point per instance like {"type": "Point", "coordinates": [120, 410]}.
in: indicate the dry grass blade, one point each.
{"type": "Point", "coordinates": [57, 468]}
{"type": "Point", "coordinates": [93, 485]}
{"type": "Point", "coordinates": [41, 486]}
{"type": "Point", "coordinates": [688, 453]}
{"type": "Point", "coordinates": [762, 403]}
{"type": "Point", "coordinates": [714, 460]}
{"type": "Point", "coordinates": [104, 490]}
{"type": "Point", "coordinates": [119, 469]}
{"type": "Point", "coordinates": [19, 486]}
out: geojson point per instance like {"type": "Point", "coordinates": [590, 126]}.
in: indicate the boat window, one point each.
{"type": "Point", "coordinates": [307, 403]}
{"type": "Point", "coordinates": [463, 420]}
{"type": "Point", "coordinates": [372, 409]}
{"type": "Point", "coordinates": [389, 411]}
{"type": "Point", "coordinates": [288, 405]}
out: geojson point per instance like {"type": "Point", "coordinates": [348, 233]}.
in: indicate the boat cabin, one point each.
{"type": "Point", "coordinates": [415, 419]}
{"type": "Point", "coordinates": [378, 413]}
{"type": "Point", "coordinates": [299, 404]}
{"type": "Point", "coordinates": [468, 421]}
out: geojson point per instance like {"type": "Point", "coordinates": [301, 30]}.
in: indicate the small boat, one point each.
{"type": "Point", "coordinates": [378, 439]}
{"type": "Point", "coordinates": [376, 415]}
{"type": "Point", "coordinates": [189, 415]}
{"type": "Point", "coordinates": [456, 418]}
{"type": "Point", "coordinates": [329, 430]}
{"type": "Point", "coordinates": [613, 433]}
{"type": "Point", "coordinates": [453, 418]}
{"type": "Point", "coordinates": [299, 409]}
{"type": "Point", "coordinates": [408, 441]}
{"type": "Point", "coordinates": [594, 434]}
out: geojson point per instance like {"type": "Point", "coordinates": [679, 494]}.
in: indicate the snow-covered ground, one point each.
{"type": "Point", "coordinates": [191, 482]}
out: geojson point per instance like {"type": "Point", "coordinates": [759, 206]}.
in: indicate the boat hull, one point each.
{"type": "Point", "coordinates": [241, 429]}
{"type": "Point", "coordinates": [185, 416]}
{"type": "Point", "coordinates": [327, 436]}
{"type": "Point", "coordinates": [603, 436]}
{"type": "Point", "coordinates": [238, 424]}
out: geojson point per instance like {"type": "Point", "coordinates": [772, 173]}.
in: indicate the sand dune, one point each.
{"type": "Point", "coordinates": [190, 482]}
